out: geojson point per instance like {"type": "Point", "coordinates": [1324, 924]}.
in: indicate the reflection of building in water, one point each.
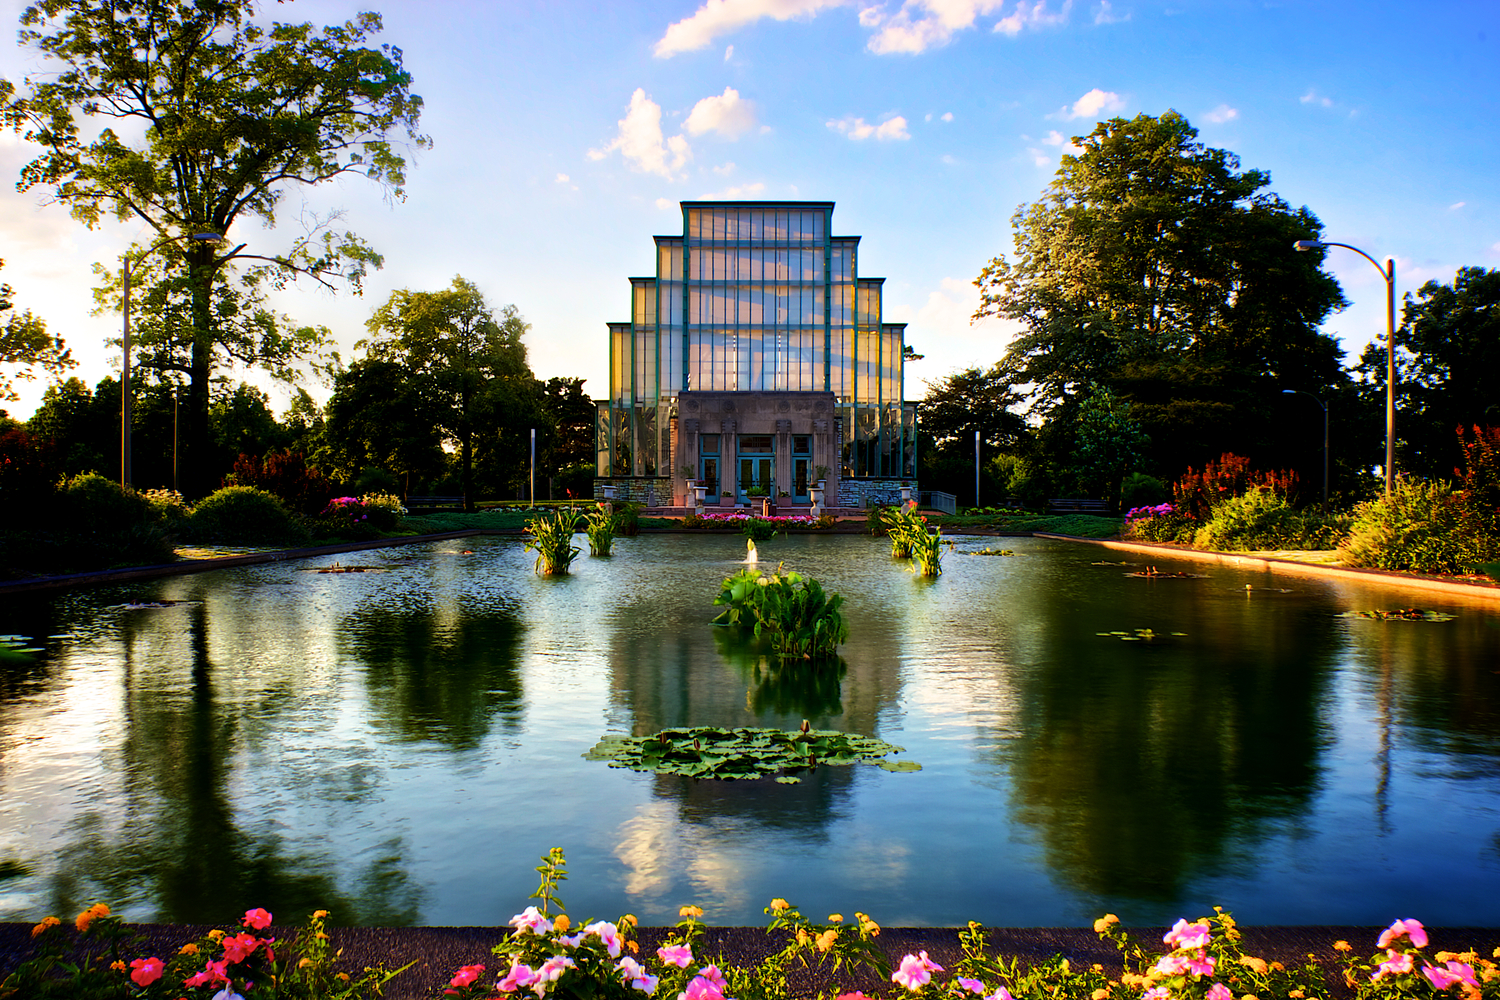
{"type": "Point", "coordinates": [756, 361]}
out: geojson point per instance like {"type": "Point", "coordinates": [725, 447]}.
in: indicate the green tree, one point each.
{"type": "Point", "coordinates": [953, 409]}
{"type": "Point", "coordinates": [1155, 267]}
{"type": "Point", "coordinates": [1447, 354]}
{"type": "Point", "coordinates": [378, 419]}
{"type": "Point", "coordinates": [1110, 443]}
{"type": "Point", "coordinates": [83, 425]}
{"type": "Point", "coordinates": [25, 344]}
{"type": "Point", "coordinates": [231, 115]}
{"type": "Point", "coordinates": [468, 367]}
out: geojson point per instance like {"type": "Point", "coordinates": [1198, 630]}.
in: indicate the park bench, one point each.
{"type": "Point", "coordinates": [433, 505]}
{"type": "Point", "coordinates": [1078, 506]}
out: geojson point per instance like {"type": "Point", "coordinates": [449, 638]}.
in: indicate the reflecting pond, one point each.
{"type": "Point", "coordinates": [400, 745]}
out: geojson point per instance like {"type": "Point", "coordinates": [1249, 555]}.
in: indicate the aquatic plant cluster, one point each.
{"type": "Point", "coordinates": [911, 539]}
{"type": "Point", "coordinates": [743, 753]}
{"type": "Point", "coordinates": [800, 618]}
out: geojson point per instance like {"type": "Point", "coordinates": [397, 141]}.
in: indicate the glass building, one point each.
{"type": "Point", "coordinates": [756, 359]}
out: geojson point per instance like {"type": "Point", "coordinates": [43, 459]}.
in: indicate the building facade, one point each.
{"type": "Point", "coordinates": [756, 360]}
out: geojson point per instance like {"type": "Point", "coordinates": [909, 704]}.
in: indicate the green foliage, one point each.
{"type": "Point", "coordinates": [1079, 525]}
{"type": "Point", "coordinates": [1107, 441]}
{"type": "Point", "coordinates": [730, 754]}
{"type": "Point", "coordinates": [553, 870]}
{"type": "Point", "coordinates": [1141, 490]}
{"type": "Point", "coordinates": [1261, 518]}
{"type": "Point", "coordinates": [302, 488]}
{"type": "Point", "coordinates": [758, 529]}
{"type": "Point", "coordinates": [552, 541]}
{"type": "Point", "coordinates": [24, 345]}
{"type": "Point", "coordinates": [1419, 529]}
{"type": "Point", "coordinates": [110, 525]}
{"type": "Point", "coordinates": [1196, 493]}
{"type": "Point", "coordinates": [911, 539]}
{"type": "Point", "coordinates": [793, 611]}
{"type": "Point", "coordinates": [244, 515]}
{"type": "Point", "coordinates": [629, 515]}
{"type": "Point", "coordinates": [241, 114]}
{"type": "Point", "coordinates": [601, 524]}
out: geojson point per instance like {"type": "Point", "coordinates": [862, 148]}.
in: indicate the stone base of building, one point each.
{"type": "Point", "coordinates": [651, 491]}
{"type": "Point", "coordinates": [868, 492]}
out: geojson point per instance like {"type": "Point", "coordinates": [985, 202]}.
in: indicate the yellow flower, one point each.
{"type": "Point", "coordinates": [47, 924]}
{"type": "Point", "coordinates": [691, 911]}
{"type": "Point", "coordinates": [826, 939]}
{"type": "Point", "coordinates": [802, 935]}
{"type": "Point", "coordinates": [1346, 946]}
{"type": "Point", "coordinates": [866, 925]}
{"type": "Point", "coordinates": [1277, 966]}
{"type": "Point", "coordinates": [304, 963]}
{"type": "Point", "coordinates": [343, 977]}
{"type": "Point", "coordinates": [562, 923]}
{"type": "Point", "coordinates": [1444, 956]}
{"type": "Point", "coordinates": [1133, 979]}
{"type": "Point", "coordinates": [215, 935]}
{"type": "Point", "coordinates": [628, 920]}
{"type": "Point", "coordinates": [835, 918]}
{"type": "Point", "coordinates": [118, 966]}
{"type": "Point", "coordinates": [779, 905]}
{"type": "Point", "coordinates": [1249, 996]}
{"type": "Point", "coordinates": [1255, 965]}
{"type": "Point", "coordinates": [320, 914]}
{"type": "Point", "coordinates": [1105, 922]}
{"type": "Point", "coordinates": [1297, 995]}
{"type": "Point", "coordinates": [1096, 967]}
{"type": "Point", "coordinates": [90, 915]}
{"type": "Point", "coordinates": [188, 949]}
{"type": "Point", "coordinates": [1099, 994]}
{"type": "Point", "coordinates": [635, 948]}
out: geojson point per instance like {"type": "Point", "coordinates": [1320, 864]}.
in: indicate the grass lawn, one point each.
{"type": "Point", "coordinates": [1081, 525]}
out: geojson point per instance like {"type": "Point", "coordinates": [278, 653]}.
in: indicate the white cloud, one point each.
{"type": "Point", "coordinates": [1495, 248]}
{"type": "Point", "coordinates": [942, 329]}
{"type": "Point", "coordinates": [1063, 143]}
{"type": "Point", "coordinates": [720, 17]}
{"type": "Point", "coordinates": [949, 160]}
{"type": "Point", "coordinates": [1106, 14]}
{"type": "Point", "coordinates": [562, 178]}
{"type": "Point", "coordinates": [1034, 17]}
{"type": "Point", "coordinates": [728, 53]}
{"type": "Point", "coordinates": [1223, 113]}
{"type": "Point", "coordinates": [1456, 206]}
{"type": "Point", "coordinates": [726, 114]}
{"type": "Point", "coordinates": [1038, 157]}
{"type": "Point", "coordinates": [725, 170]}
{"type": "Point", "coordinates": [922, 24]}
{"type": "Point", "coordinates": [858, 129]}
{"type": "Point", "coordinates": [665, 203]}
{"type": "Point", "coordinates": [640, 140]}
{"type": "Point", "coordinates": [1311, 97]}
{"type": "Point", "coordinates": [736, 193]}
{"type": "Point", "coordinates": [1095, 101]}
{"type": "Point", "coordinates": [947, 116]}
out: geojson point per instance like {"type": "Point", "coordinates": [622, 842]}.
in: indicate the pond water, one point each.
{"type": "Point", "coordinates": [400, 746]}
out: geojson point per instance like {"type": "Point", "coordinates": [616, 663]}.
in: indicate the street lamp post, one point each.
{"type": "Point", "coordinates": [125, 361]}
{"type": "Point", "coordinates": [1324, 405]}
{"type": "Point", "coordinates": [1389, 274]}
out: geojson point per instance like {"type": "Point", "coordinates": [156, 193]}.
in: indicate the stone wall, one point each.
{"type": "Point", "coordinates": [653, 491]}
{"type": "Point", "coordinates": [868, 492]}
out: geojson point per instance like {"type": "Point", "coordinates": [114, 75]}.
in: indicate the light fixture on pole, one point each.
{"type": "Point", "coordinates": [1389, 274]}
{"type": "Point", "coordinates": [976, 468]}
{"type": "Point", "coordinates": [215, 238]}
{"type": "Point", "coordinates": [1303, 392]}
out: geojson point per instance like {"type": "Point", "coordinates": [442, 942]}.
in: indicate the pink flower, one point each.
{"type": "Point", "coordinates": [1453, 972]}
{"type": "Point", "coordinates": [972, 985]}
{"type": "Point", "coordinates": [571, 940]}
{"type": "Point", "coordinates": [1186, 935]}
{"type": "Point", "coordinates": [1001, 994]}
{"type": "Point", "coordinates": [213, 972]}
{"type": "Point", "coordinates": [702, 988]}
{"type": "Point", "coordinates": [145, 971]}
{"type": "Point", "coordinates": [680, 955]}
{"type": "Point", "coordinates": [1171, 965]}
{"type": "Point", "coordinates": [519, 977]}
{"type": "Point", "coordinates": [713, 975]}
{"type": "Point", "coordinates": [1396, 963]}
{"type": "Point", "coordinates": [915, 972]}
{"type": "Point", "coordinates": [635, 976]}
{"type": "Point", "coordinates": [550, 972]}
{"type": "Point", "coordinates": [240, 947]}
{"type": "Point", "coordinates": [465, 976]}
{"type": "Point", "coordinates": [609, 934]}
{"type": "Point", "coordinates": [1411, 929]}
{"type": "Point", "coordinates": [256, 919]}
{"type": "Point", "coordinates": [1157, 993]}
{"type": "Point", "coordinates": [530, 919]}
{"type": "Point", "coordinates": [1201, 964]}
{"type": "Point", "coordinates": [1218, 991]}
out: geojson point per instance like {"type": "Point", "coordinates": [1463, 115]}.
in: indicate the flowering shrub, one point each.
{"type": "Point", "coordinates": [242, 965]}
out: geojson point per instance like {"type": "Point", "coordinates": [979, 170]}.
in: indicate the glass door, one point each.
{"type": "Point", "coordinates": [757, 460]}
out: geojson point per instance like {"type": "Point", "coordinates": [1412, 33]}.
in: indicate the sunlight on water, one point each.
{"type": "Point", "coordinates": [399, 745]}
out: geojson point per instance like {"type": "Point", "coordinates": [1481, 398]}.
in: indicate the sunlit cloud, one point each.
{"type": "Point", "coordinates": [717, 18]}
{"type": "Point", "coordinates": [858, 129]}
{"type": "Point", "coordinates": [736, 193]}
{"type": "Point", "coordinates": [1091, 104]}
{"type": "Point", "coordinates": [1312, 97]}
{"type": "Point", "coordinates": [728, 53]}
{"type": "Point", "coordinates": [1106, 14]}
{"type": "Point", "coordinates": [1038, 158]}
{"type": "Point", "coordinates": [1063, 143]}
{"type": "Point", "coordinates": [1036, 16]}
{"type": "Point", "coordinates": [1456, 206]}
{"type": "Point", "coordinates": [1223, 113]}
{"type": "Point", "coordinates": [727, 114]}
{"type": "Point", "coordinates": [641, 143]}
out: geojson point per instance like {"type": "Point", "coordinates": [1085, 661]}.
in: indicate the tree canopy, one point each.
{"type": "Point", "coordinates": [1156, 268]}
{"type": "Point", "coordinates": [218, 117]}
{"type": "Point", "coordinates": [26, 344]}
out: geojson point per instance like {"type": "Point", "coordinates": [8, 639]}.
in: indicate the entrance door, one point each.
{"type": "Point", "coordinates": [757, 460]}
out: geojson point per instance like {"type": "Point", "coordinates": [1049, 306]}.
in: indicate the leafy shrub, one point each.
{"type": "Point", "coordinates": [629, 515]}
{"type": "Point", "coordinates": [170, 509]}
{"type": "Point", "coordinates": [1261, 518]}
{"type": "Point", "coordinates": [1196, 493]}
{"type": "Point", "coordinates": [244, 515]}
{"type": "Point", "coordinates": [1421, 528]}
{"type": "Point", "coordinates": [286, 474]}
{"type": "Point", "coordinates": [1479, 478]}
{"type": "Point", "coordinates": [30, 468]}
{"type": "Point", "coordinates": [106, 524]}
{"type": "Point", "coordinates": [600, 525]}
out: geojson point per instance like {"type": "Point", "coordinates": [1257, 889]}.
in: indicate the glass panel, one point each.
{"type": "Point", "coordinates": [799, 477]}
{"type": "Point", "coordinates": [801, 444]}
{"type": "Point", "coordinates": [710, 473]}
{"type": "Point", "coordinates": [708, 444]}
{"type": "Point", "coordinates": [755, 444]}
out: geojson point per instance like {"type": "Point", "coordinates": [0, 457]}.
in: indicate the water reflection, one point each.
{"type": "Point", "coordinates": [808, 689]}
{"type": "Point", "coordinates": [438, 673]}
{"type": "Point", "coordinates": [1146, 764]}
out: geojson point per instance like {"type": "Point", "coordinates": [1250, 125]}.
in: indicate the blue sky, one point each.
{"type": "Point", "coordinates": [566, 133]}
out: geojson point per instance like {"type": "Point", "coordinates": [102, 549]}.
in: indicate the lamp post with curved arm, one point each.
{"type": "Point", "coordinates": [1389, 274]}
{"type": "Point", "coordinates": [125, 406]}
{"type": "Point", "coordinates": [1324, 405]}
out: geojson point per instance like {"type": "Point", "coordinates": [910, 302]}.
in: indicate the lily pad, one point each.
{"type": "Point", "coordinates": [1401, 615]}
{"type": "Point", "coordinates": [744, 753]}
